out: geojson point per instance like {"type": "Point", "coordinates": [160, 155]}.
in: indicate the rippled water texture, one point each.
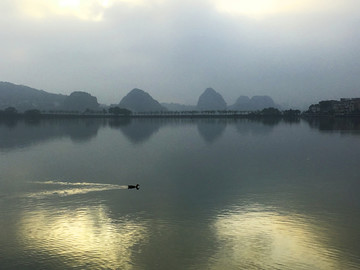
{"type": "Point", "coordinates": [214, 194]}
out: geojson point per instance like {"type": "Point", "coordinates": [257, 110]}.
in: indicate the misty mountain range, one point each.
{"type": "Point", "coordinates": [25, 98]}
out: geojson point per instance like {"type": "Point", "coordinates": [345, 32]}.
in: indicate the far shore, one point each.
{"type": "Point", "coordinates": [244, 115]}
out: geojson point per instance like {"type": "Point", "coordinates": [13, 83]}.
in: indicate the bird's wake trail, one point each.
{"type": "Point", "coordinates": [61, 188]}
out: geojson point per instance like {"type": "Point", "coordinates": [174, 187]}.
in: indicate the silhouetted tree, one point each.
{"type": "Point", "coordinates": [32, 113]}
{"type": "Point", "coordinates": [89, 111]}
{"type": "Point", "coordinates": [10, 111]}
{"type": "Point", "coordinates": [117, 111]}
{"type": "Point", "coordinates": [271, 111]}
{"type": "Point", "coordinates": [291, 113]}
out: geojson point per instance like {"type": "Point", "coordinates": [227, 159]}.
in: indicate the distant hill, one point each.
{"type": "Point", "coordinates": [179, 107]}
{"type": "Point", "coordinates": [138, 100]}
{"type": "Point", "coordinates": [244, 103]}
{"type": "Point", "coordinates": [80, 101]}
{"type": "Point", "coordinates": [211, 100]}
{"type": "Point", "coordinates": [26, 98]}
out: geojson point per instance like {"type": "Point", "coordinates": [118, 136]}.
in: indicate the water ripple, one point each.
{"type": "Point", "coordinates": [80, 238]}
{"type": "Point", "coordinates": [260, 237]}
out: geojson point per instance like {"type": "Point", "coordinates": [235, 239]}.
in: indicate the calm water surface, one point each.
{"type": "Point", "coordinates": [215, 194]}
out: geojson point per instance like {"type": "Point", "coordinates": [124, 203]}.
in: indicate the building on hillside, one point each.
{"type": "Point", "coordinates": [346, 106]}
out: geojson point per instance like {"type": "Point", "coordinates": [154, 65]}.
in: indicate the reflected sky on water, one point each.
{"type": "Point", "coordinates": [214, 194]}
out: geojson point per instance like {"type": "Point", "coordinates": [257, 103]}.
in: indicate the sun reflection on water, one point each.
{"type": "Point", "coordinates": [83, 237]}
{"type": "Point", "coordinates": [259, 238]}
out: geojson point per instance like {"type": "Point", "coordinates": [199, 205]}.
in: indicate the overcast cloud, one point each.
{"type": "Point", "coordinates": [297, 52]}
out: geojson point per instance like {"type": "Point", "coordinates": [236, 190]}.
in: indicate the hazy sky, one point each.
{"type": "Point", "coordinates": [296, 51]}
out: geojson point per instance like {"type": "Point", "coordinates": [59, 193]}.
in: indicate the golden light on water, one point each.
{"type": "Point", "coordinates": [80, 237]}
{"type": "Point", "coordinates": [244, 237]}
{"type": "Point", "coordinates": [259, 239]}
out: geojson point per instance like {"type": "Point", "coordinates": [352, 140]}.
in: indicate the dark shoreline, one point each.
{"type": "Point", "coordinates": [240, 115]}
{"type": "Point", "coordinates": [175, 115]}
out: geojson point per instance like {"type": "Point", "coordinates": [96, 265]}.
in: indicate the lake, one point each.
{"type": "Point", "coordinates": [214, 194]}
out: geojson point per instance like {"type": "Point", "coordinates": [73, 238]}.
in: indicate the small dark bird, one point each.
{"type": "Point", "coordinates": [132, 186]}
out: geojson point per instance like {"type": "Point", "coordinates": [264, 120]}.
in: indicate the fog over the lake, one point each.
{"type": "Point", "coordinates": [298, 52]}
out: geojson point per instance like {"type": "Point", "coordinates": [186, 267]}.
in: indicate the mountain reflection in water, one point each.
{"type": "Point", "coordinates": [23, 133]}
{"type": "Point", "coordinates": [215, 194]}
